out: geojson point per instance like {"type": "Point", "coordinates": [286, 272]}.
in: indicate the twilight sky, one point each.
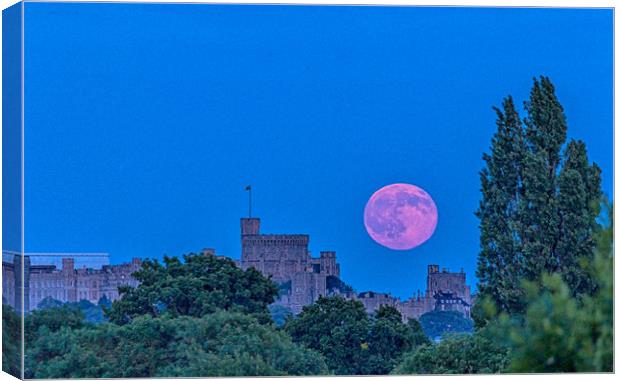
{"type": "Point", "coordinates": [145, 122]}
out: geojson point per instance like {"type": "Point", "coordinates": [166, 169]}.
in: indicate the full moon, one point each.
{"type": "Point", "coordinates": [400, 216]}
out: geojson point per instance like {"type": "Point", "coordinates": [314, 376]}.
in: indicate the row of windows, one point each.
{"type": "Point", "coordinates": [449, 301]}
{"type": "Point", "coordinates": [47, 283]}
{"type": "Point", "coordinates": [60, 295]}
{"type": "Point", "coordinates": [61, 282]}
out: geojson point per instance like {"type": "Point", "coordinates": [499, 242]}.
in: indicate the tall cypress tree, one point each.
{"type": "Point", "coordinates": [578, 206]}
{"type": "Point", "coordinates": [545, 134]}
{"type": "Point", "coordinates": [500, 263]}
{"type": "Point", "coordinates": [539, 206]}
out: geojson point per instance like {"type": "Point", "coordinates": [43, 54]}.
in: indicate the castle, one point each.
{"type": "Point", "coordinates": [445, 291]}
{"type": "Point", "coordinates": [302, 279]}
{"type": "Point", "coordinates": [91, 280]}
{"type": "Point", "coordinates": [285, 258]}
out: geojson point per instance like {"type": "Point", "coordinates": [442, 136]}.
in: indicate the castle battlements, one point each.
{"type": "Point", "coordinates": [284, 258]}
{"type": "Point", "coordinates": [277, 239]}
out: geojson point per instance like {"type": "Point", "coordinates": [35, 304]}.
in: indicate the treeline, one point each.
{"type": "Point", "coordinates": [203, 316]}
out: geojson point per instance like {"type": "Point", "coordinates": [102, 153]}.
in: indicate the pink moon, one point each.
{"type": "Point", "coordinates": [400, 216]}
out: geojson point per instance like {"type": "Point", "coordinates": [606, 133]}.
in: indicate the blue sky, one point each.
{"type": "Point", "coordinates": [145, 122]}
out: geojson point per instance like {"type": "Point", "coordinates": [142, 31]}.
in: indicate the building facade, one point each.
{"type": "Point", "coordinates": [65, 283]}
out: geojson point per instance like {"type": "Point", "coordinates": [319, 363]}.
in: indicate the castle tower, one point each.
{"type": "Point", "coordinates": [446, 281]}
{"type": "Point", "coordinates": [71, 284]}
{"type": "Point", "coordinates": [250, 226]}
{"type": "Point", "coordinates": [328, 263]}
{"type": "Point", "coordinates": [276, 255]}
{"type": "Point", "coordinates": [432, 269]}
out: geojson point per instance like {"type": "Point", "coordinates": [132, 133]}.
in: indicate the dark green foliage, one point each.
{"type": "Point", "coordinates": [539, 205]}
{"type": "Point", "coordinates": [436, 323]}
{"type": "Point", "coordinates": [93, 313]}
{"type": "Point", "coordinates": [351, 342]}
{"type": "Point", "coordinates": [579, 184]}
{"type": "Point", "coordinates": [499, 262]}
{"type": "Point", "coordinates": [49, 302]}
{"type": "Point", "coordinates": [338, 329]}
{"type": "Point", "coordinates": [562, 333]}
{"type": "Point", "coordinates": [40, 323]}
{"type": "Point", "coordinates": [279, 314]}
{"type": "Point", "coordinates": [389, 338]}
{"type": "Point", "coordinates": [418, 335]}
{"type": "Point", "coordinates": [218, 344]}
{"type": "Point", "coordinates": [456, 354]}
{"type": "Point", "coordinates": [11, 341]}
{"type": "Point", "coordinates": [198, 286]}
{"type": "Point", "coordinates": [203, 317]}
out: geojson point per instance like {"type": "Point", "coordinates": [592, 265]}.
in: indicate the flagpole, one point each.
{"type": "Point", "coordinates": [250, 203]}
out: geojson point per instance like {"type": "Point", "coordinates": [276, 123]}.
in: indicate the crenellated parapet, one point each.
{"type": "Point", "coordinates": [286, 258]}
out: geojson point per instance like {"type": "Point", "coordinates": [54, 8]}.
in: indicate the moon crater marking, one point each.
{"type": "Point", "coordinates": [400, 216]}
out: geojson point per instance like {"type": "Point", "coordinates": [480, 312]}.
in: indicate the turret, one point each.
{"type": "Point", "coordinates": [328, 263]}
{"type": "Point", "coordinates": [250, 226]}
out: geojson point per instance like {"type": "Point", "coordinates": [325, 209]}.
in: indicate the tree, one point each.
{"type": "Point", "coordinates": [456, 354]}
{"type": "Point", "coordinates": [578, 203]}
{"type": "Point", "coordinates": [11, 341]}
{"type": "Point", "coordinates": [49, 302]}
{"type": "Point", "coordinates": [338, 329]}
{"type": "Point", "coordinates": [499, 262]}
{"type": "Point", "coordinates": [539, 206]}
{"type": "Point", "coordinates": [418, 336]}
{"type": "Point", "coordinates": [352, 342]}
{"type": "Point", "coordinates": [93, 313]}
{"type": "Point", "coordinates": [42, 322]}
{"type": "Point", "coordinates": [564, 333]}
{"type": "Point", "coordinates": [219, 344]}
{"type": "Point", "coordinates": [436, 323]}
{"type": "Point", "coordinates": [198, 286]}
{"type": "Point", "coordinates": [389, 338]}
{"type": "Point", "coordinates": [279, 314]}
